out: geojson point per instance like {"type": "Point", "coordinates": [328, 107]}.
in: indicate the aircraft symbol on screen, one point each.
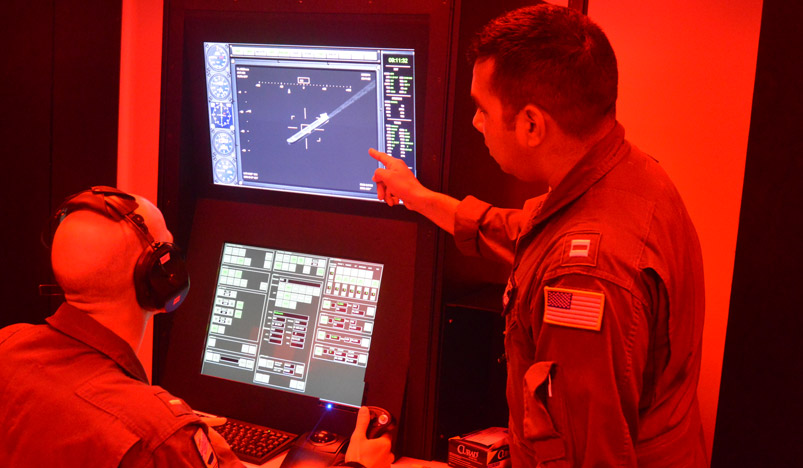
{"type": "Point", "coordinates": [325, 118]}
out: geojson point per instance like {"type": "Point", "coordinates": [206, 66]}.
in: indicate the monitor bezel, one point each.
{"type": "Point", "coordinates": [431, 29]}
{"type": "Point", "coordinates": [399, 31]}
{"type": "Point", "coordinates": [333, 235]}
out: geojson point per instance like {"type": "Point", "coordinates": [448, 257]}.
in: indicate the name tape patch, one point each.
{"type": "Point", "coordinates": [204, 447]}
{"type": "Point", "coordinates": [574, 308]}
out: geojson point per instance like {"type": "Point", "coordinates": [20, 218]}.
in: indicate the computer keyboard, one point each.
{"type": "Point", "coordinates": [253, 443]}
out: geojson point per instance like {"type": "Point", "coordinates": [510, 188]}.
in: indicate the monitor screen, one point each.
{"type": "Point", "coordinates": [293, 321]}
{"type": "Point", "coordinates": [300, 118]}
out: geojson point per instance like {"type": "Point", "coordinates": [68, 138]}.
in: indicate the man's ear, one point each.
{"type": "Point", "coordinates": [531, 124]}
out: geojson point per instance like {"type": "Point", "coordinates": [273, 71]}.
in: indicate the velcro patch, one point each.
{"type": "Point", "coordinates": [580, 248]}
{"type": "Point", "coordinates": [574, 308]}
{"type": "Point", "coordinates": [176, 405]}
{"type": "Point", "coordinates": [204, 447]}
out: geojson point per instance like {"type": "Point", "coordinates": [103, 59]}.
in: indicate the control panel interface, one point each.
{"type": "Point", "coordinates": [293, 321]}
{"type": "Point", "coordinates": [301, 118]}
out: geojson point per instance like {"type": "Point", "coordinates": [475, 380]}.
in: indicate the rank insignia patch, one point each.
{"type": "Point", "coordinates": [574, 308]}
{"type": "Point", "coordinates": [580, 248]}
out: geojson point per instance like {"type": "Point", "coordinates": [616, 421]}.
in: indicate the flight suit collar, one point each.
{"type": "Point", "coordinates": [80, 326]}
{"type": "Point", "coordinates": [592, 167]}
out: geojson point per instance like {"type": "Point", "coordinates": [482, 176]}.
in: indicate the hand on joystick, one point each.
{"type": "Point", "coordinates": [380, 423]}
{"type": "Point", "coordinates": [371, 452]}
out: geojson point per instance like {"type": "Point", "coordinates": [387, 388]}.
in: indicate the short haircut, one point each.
{"type": "Point", "coordinates": [553, 57]}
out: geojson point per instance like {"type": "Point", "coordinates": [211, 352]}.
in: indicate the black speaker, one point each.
{"type": "Point", "coordinates": [160, 276]}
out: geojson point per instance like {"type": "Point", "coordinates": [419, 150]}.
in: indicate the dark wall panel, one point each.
{"type": "Point", "coordinates": [59, 128]}
{"type": "Point", "coordinates": [759, 405]}
{"type": "Point", "coordinates": [25, 132]}
{"type": "Point", "coordinates": [471, 391]}
{"type": "Point", "coordinates": [86, 94]}
{"type": "Point", "coordinates": [470, 169]}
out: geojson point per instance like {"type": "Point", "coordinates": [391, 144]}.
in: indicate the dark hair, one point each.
{"type": "Point", "coordinates": [553, 57]}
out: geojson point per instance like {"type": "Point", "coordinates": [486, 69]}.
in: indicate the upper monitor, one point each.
{"type": "Point", "coordinates": [300, 118]}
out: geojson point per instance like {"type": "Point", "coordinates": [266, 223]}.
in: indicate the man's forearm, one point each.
{"type": "Point", "coordinates": [437, 207]}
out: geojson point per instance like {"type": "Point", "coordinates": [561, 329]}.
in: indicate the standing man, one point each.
{"type": "Point", "coordinates": [604, 305]}
{"type": "Point", "coordinates": [72, 391]}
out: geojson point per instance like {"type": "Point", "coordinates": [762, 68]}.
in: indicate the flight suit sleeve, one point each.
{"type": "Point", "coordinates": [483, 230]}
{"type": "Point", "coordinates": [585, 383]}
{"type": "Point", "coordinates": [195, 445]}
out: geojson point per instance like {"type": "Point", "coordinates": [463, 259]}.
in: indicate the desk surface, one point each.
{"type": "Point", "coordinates": [403, 462]}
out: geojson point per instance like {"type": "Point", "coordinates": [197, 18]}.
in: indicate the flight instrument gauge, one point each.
{"type": "Point", "coordinates": [221, 114]}
{"type": "Point", "coordinates": [219, 87]}
{"type": "Point", "coordinates": [217, 57]}
{"type": "Point", "coordinates": [225, 171]}
{"type": "Point", "coordinates": [223, 142]}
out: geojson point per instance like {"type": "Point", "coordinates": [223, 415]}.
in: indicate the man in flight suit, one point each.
{"type": "Point", "coordinates": [604, 304]}
{"type": "Point", "coordinates": [72, 391]}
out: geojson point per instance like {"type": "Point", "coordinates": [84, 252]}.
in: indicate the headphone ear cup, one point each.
{"type": "Point", "coordinates": [160, 278]}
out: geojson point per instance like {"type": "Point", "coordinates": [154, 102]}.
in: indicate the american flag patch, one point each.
{"type": "Point", "coordinates": [574, 308]}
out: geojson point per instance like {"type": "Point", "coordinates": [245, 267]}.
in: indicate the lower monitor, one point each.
{"type": "Point", "coordinates": [262, 337]}
{"type": "Point", "coordinates": [293, 321]}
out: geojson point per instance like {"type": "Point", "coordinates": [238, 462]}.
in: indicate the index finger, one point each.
{"type": "Point", "coordinates": [380, 156]}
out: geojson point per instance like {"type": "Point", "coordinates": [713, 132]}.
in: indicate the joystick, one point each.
{"type": "Point", "coordinates": [381, 422]}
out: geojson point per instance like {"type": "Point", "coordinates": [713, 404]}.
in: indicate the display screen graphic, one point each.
{"type": "Point", "coordinates": [301, 118]}
{"type": "Point", "coordinates": [292, 321]}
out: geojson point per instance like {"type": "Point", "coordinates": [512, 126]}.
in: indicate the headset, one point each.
{"type": "Point", "coordinates": [161, 279]}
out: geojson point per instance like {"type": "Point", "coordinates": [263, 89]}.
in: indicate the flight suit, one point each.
{"type": "Point", "coordinates": [72, 393]}
{"type": "Point", "coordinates": [604, 314]}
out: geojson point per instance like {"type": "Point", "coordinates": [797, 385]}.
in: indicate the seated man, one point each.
{"type": "Point", "coordinates": [72, 391]}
